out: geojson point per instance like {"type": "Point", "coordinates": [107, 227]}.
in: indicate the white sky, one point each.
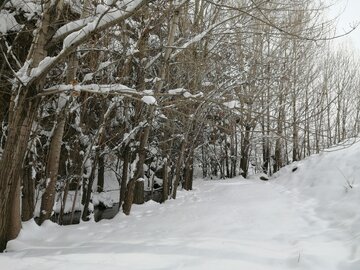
{"type": "Point", "coordinates": [349, 15]}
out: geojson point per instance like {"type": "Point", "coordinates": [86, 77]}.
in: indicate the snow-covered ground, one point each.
{"type": "Point", "coordinates": [306, 219]}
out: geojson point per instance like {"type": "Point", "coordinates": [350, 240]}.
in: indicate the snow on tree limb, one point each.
{"type": "Point", "coordinates": [190, 42]}
{"type": "Point", "coordinates": [200, 36]}
{"type": "Point", "coordinates": [106, 19]}
{"type": "Point", "coordinates": [70, 27]}
{"type": "Point", "coordinates": [92, 88]}
{"type": "Point", "coordinates": [117, 89]}
{"type": "Point", "coordinates": [130, 135]}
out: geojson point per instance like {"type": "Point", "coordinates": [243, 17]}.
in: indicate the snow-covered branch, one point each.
{"type": "Point", "coordinates": [92, 88]}
{"type": "Point", "coordinates": [71, 27]}
{"type": "Point", "coordinates": [200, 36]}
{"type": "Point", "coordinates": [147, 96]}
{"type": "Point", "coordinates": [131, 135]}
{"type": "Point", "coordinates": [101, 22]}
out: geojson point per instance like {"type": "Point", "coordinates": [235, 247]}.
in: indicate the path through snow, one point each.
{"type": "Point", "coordinates": [232, 224]}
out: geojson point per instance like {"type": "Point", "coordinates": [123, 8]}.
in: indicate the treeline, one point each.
{"type": "Point", "coordinates": [147, 92]}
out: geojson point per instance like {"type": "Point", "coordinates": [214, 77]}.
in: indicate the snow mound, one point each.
{"type": "Point", "coordinates": [332, 180]}
{"type": "Point", "coordinates": [102, 198]}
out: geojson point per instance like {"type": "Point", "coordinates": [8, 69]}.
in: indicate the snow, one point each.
{"type": "Point", "coordinates": [21, 74]}
{"type": "Point", "coordinates": [85, 29]}
{"type": "Point", "coordinates": [148, 92]}
{"type": "Point", "coordinates": [103, 198]}
{"type": "Point", "coordinates": [68, 204]}
{"type": "Point", "coordinates": [302, 219]}
{"type": "Point", "coordinates": [176, 91]}
{"type": "Point", "coordinates": [104, 65]}
{"type": "Point", "coordinates": [71, 26]}
{"type": "Point", "coordinates": [8, 22]}
{"type": "Point", "coordinates": [88, 77]}
{"type": "Point", "coordinates": [196, 38]}
{"type": "Point", "coordinates": [184, 92]}
{"type": "Point", "coordinates": [62, 101]}
{"type": "Point", "coordinates": [187, 95]}
{"type": "Point", "coordinates": [332, 180]}
{"type": "Point", "coordinates": [30, 7]}
{"type": "Point", "coordinates": [42, 66]}
{"type": "Point", "coordinates": [104, 17]}
{"type": "Point", "coordinates": [150, 100]}
{"type": "Point", "coordinates": [101, 9]}
{"type": "Point", "coordinates": [94, 88]}
{"type": "Point", "coordinates": [232, 104]}
{"type": "Point", "coordinates": [129, 136]}
{"type": "Point", "coordinates": [205, 84]}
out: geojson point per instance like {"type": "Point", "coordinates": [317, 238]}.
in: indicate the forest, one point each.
{"type": "Point", "coordinates": [151, 94]}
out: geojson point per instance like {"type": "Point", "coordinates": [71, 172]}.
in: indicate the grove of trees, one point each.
{"type": "Point", "coordinates": [151, 92]}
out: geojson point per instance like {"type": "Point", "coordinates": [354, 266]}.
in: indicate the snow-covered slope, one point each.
{"type": "Point", "coordinates": [332, 180]}
{"type": "Point", "coordinates": [305, 219]}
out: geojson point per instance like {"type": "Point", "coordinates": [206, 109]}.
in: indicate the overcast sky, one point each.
{"type": "Point", "coordinates": [349, 15]}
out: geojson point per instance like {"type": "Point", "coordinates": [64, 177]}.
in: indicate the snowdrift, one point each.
{"type": "Point", "coordinates": [332, 180]}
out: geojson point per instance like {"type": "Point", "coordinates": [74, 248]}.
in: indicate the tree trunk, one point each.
{"type": "Point", "coordinates": [129, 196]}
{"type": "Point", "coordinates": [15, 225]}
{"type": "Point", "coordinates": [165, 193]}
{"type": "Point", "coordinates": [20, 122]}
{"type": "Point", "coordinates": [188, 175]}
{"type": "Point", "coordinates": [245, 149]}
{"type": "Point", "coordinates": [278, 156]}
{"type": "Point", "coordinates": [179, 168]}
{"type": "Point", "coordinates": [233, 153]}
{"type": "Point", "coordinates": [48, 197]}
{"type": "Point", "coordinates": [63, 204]}
{"type": "Point", "coordinates": [28, 195]}
{"type": "Point", "coordinates": [295, 153]}
{"type": "Point", "coordinates": [90, 182]}
{"type": "Point", "coordinates": [101, 176]}
{"type": "Point", "coordinates": [23, 108]}
{"type": "Point", "coordinates": [124, 178]}
{"type": "Point", "coordinates": [139, 191]}
{"type": "Point", "coordinates": [139, 173]}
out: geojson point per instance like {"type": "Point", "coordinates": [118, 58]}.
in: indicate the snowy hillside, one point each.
{"type": "Point", "coordinates": [306, 218]}
{"type": "Point", "coordinates": [332, 180]}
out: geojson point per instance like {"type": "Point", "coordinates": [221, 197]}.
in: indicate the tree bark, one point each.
{"type": "Point", "coordinates": [139, 191]}
{"type": "Point", "coordinates": [178, 169]}
{"type": "Point", "coordinates": [48, 197]}
{"type": "Point", "coordinates": [28, 196]}
{"type": "Point", "coordinates": [165, 193]}
{"type": "Point", "coordinates": [245, 149]}
{"type": "Point", "coordinates": [124, 177]}
{"type": "Point", "coordinates": [101, 174]}
{"type": "Point", "coordinates": [188, 175]}
{"type": "Point", "coordinates": [11, 162]}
